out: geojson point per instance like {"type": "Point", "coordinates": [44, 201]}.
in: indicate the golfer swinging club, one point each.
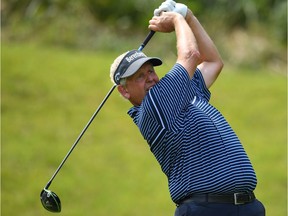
{"type": "Point", "coordinates": [207, 168]}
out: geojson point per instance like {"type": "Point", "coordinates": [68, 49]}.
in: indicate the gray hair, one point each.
{"type": "Point", "coordinates": [114, 66]}
{"type": "Point", "coordinates": [123, 81]}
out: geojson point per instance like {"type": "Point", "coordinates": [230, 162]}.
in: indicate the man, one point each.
{"type": "Point", "coordinates": [208, 171]}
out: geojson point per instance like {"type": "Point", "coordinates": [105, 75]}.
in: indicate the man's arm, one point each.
{"type": "Point", "coordinates": [187, 50]}
{"type": "Point", "coordinates": [212, 63]}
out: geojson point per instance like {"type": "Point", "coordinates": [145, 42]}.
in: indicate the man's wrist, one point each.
{"type": "Point", "coordinates": [189, 16]}
{"type": "Point", "coordinates": [178, 18]}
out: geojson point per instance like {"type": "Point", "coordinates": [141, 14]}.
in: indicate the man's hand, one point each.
{"type": "Point", "coordinates": [181, 9]}
{"type": "Point", "coordinates": [167, 6]}
{"type": "Point", "coordinates": [165, 22]}
{"type": "Point", "coordinates": [171, 6]}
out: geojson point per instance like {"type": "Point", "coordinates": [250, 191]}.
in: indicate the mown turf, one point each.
{"type": "Point", "coordinates": [49, 94]}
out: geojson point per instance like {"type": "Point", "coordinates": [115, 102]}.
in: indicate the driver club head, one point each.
{"type": "Point", "coordinates": [50, 201]}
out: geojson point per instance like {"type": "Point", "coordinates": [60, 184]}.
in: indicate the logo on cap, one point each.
{"type": "Point", "coordinates": [135, 56]}
{"type": "Point", "coordinates": [128, 59]}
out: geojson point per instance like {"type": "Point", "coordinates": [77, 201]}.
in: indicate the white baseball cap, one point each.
{"type": "Point", "coordinates": [131, 63]}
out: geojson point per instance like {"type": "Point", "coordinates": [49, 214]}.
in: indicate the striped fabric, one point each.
{"type": "Point", "coordinates": [193, 143]}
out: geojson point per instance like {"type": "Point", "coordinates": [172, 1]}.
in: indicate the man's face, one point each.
{"type": "Point", "coordinates": [138, 85]}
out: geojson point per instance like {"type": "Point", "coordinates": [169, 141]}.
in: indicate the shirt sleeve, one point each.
{"type": "Point", "coordinates": [166, 101]}
{"type": "Point", "coordinates": [169, 97]}
{"type": "Point", "coordinates": [199, 87]}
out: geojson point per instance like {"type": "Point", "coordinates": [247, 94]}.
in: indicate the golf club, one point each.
{"type": "Point", "coordinates": [49, 199]}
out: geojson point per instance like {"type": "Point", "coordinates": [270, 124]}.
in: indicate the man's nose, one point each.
{"type": "Point", "coordinates": [149, 77]}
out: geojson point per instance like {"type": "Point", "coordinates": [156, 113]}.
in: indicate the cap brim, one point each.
{"type": "Point", "coordinates": [134, 67]}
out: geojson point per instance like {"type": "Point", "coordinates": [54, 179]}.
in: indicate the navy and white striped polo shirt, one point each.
{"type": "Point", "coordinates": [195, 146]}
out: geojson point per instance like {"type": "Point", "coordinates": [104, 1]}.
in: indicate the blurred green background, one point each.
{"type": "Point", "coordinates": [55, 62]}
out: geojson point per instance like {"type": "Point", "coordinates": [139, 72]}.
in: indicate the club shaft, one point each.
{"type": "Point", "coordinates": [147, 39]}
{"type": "Point", "coordinates": [81, 134]}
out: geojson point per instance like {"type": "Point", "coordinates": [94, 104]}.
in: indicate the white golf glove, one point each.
{"type": "Point", "coordinates": [170, 5]}
{"type": "Point", "coordinates": [181, 9]}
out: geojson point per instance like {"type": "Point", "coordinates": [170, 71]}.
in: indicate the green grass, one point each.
{"type": "Point", "coordinates": [49, 94]}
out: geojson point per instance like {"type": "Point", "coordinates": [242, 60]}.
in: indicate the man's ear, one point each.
{"type": "Point", "coordinates": [123, 91]}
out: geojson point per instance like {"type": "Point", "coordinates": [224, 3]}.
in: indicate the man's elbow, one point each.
{"type": "Point", "coordinates": [219, 65]}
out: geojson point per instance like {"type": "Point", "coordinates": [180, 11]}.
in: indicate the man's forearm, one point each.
{"type": "Point", "coordinates": [206, 46]}
{"type": "Point", "coordinates": [187, 48]}
{"type": "Point", "coordinates": [212, 63]}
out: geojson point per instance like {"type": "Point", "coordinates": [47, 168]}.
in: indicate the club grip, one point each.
{"type": "Point", "coordinates": [147, 39]}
